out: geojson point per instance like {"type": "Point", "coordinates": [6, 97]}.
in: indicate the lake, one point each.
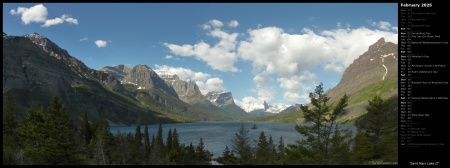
{"type": "Point", "coordinates": [217, 134]}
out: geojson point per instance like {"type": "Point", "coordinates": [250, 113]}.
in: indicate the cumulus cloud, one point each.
{"type": "Point", "coordinates": [69, 19]}
{"type": "Point", "coordinates": [216, 23]}
{"type": "Point", "coordinates": [212, 84]}
{"type": "Point", "coordinates": [38, 14]}
{"type": "Point", "coordinates": [183, 73]}
{"type": "Point", "coordinates": [264, 86]}
{"type": "Point", "coordinates": [220, 56]}
{"type": "Point", "coordinates": [334, 67]}
{"type": "Point", "coordinates": [100, 43]}
{"type": "Point", "coordinates": [233, 23]}
{"type": "Point", "coordinates": [296, 86]}
{"type": "Point", "coordinates": [52, 22]}
{"type": "Point", "coordinates": [168, 57]}
{"type": "Point", "coordinates": [383, 25]}
{"type": "Point", "coordinates": [286, 56]}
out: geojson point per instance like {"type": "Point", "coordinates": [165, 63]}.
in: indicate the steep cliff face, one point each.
{"type": "Point", "coordinates": [225, 101]}
{"type": "Point", "coordinates": [220, 98]}
{"type": "Point", "coordinates": [118, 71]}
{"type": "Point", "coordinates": [187, 91]}
{"type": "Point", "coordinates": [144, 77]}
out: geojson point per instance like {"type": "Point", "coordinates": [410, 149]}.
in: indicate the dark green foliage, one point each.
{"type": "Point", "coordinates": [158, 148]}
{"type": "Point", "coordinates": [147, 146]}
{"type": "Point", "coordinates": [102, 143]}
{"type": "Point", "coordinates": [169, 140]}
{"type": "Point", "coordinates": [202, 156]}
{"type": "Point", "coordinates": [241, 145]}
{"type": "Point", "coordinates": [9, 117]}
{"type": "Point", "coordinates": [324, 137]}
{"type": "Point", "coordinates": [11, 146]}
{"type": "Point", "coordinates": [86, 131]}
{"type": "Point", "coordinates": [281, 150]}
{"type": "Point", "coordinates": [263, 150]}
{"type": "Point", "coordinates": [227, 157]}
{"type": "Point", "coordinates": [377, 134]}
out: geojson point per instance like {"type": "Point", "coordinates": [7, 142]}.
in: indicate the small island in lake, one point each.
{"type": "Point", "coordinates": [254, 126]}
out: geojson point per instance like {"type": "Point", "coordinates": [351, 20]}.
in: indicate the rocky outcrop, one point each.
{"type": "Point", "coordinates": [378, 63]}
{"type": "Point", "coordinates": [144, 77]}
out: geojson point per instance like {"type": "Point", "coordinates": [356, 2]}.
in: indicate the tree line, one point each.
{"type": "Point", "coordinates": [51, 138]}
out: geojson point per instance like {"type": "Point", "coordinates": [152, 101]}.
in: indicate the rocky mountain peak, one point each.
{"type": "Point", "coordinates": [118, 71]}
{"type": "Point", "coordinates": [219, 97]}
{"type": "Point", "coordinates": [143, 77]}
{"type": "Point", "coordinates": [378, 63]}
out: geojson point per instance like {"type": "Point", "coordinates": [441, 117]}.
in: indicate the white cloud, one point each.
{"type": "Point", "coordinates": [52, 22]}
{"type": "Point", "coordinates": [84, 39]}
{"type": "Point", "coordinates": [334, 67]}
{"type": "Point", "coordinates": [383, 25]}
{"type": "Point", "coordinates": [271, 49]}
{"type": "Point", "coordinates": [212, 84]}
{"type": "Point", "coordinates": [233, 23]}
{"type": "Point", "coordinates": [220, 56]}
{"type": "Point", "coordinates": [290, 96]}
{"type": "Point", "coordinates": [69, 19]}
{"type": "Point", "coordinates": [37, 14]}
{"type": "Point", "coordinates": [183, 73]}
{"type": "Point", "coordinates": [238, 103]}
{"type": "Point", "coordinates": [296, 85]}
{"type": "Point", "coordinates": [264, 87]}
{"type": "Point", "coordinates": [287, 56]}
{"type": "Point", "coordinates": [216, 23]}
{"type": "Point", "coordinates": [100, 43]}
{"type": "Point", "coordinates": [168, 57]}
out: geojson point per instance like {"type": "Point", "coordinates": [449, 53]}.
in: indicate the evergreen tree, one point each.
{"type": "Point", "coordinates": [263, 150]}
{"type": "Point", "coordinates": [11, 142]}
{"type": "Point", "coordinates": [61, 134]}
{"type": "Point", "coordinates": [146, 142]}
{"type": "Point", "coordinates": [273, 151]}
{"type": "Point", "coordinates": [202, 156]}
{"type": "Point", "coordinates": [227, 157]}
{"type": "Point", "coordinates": [158, 148]}
{"type": "Point", "coordinates": [242, 147]}
{"type": "Point", "coordinates": [122, 149]}
{"type": "Point", "coordinates": [137, 149]}
{"type": "Point", "coordinates": [102, 142]}
{"type": "Point", "coordinates": [377, 135]}
{"type": "Point", "coordinates": [324, 136]}
{"type": "Point", "coordinates": [34, 134]}
{"type": "Point", "coordinates": [9, 118]}
{"type": "Point", "coordinates": [169, 140]}
{"type": "Point", "coordinates": [86, 132]}
{"type": "Point", "coordinates": [281, 150]}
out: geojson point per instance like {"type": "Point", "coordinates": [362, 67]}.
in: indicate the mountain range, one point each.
{"type": "Point", "coordinates": [35, 69]}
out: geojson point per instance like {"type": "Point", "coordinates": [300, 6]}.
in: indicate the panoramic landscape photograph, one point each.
{"type": "Point", "coordinates": [200, 84]}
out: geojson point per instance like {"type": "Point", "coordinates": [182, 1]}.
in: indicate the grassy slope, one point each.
{"type": "Point", "coordinates": [357, 103]}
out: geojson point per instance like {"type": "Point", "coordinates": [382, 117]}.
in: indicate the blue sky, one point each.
{"type": "Point", "coordinates": [275, 52]}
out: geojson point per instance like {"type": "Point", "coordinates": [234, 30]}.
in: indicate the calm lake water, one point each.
{"type": "Point", "coordinates": [217, 134]}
